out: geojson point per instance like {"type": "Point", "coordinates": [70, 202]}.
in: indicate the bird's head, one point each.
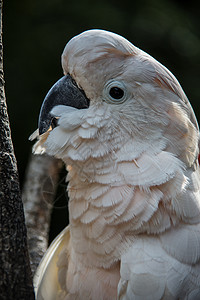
{"type": "Point", "coordinates": [138, 96]}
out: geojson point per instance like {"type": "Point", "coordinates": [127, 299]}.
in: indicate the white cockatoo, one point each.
{"type": "Point", "coordinates": [123, 126]}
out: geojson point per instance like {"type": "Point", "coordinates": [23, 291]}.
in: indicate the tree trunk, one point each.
{"type": "Point", "coordinates": [15, 272]}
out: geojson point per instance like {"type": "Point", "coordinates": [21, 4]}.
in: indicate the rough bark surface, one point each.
{"type": "Point", "coordinates": [15, 272]}
{"type": "Point", "coordinates": [38, 196]}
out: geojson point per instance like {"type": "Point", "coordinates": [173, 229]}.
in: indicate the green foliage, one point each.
{"type": "Point", "coordinates": [35, 33]}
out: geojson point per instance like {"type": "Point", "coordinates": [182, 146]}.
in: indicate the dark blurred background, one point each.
{"type": "Point", "coordinates": [36, 31]}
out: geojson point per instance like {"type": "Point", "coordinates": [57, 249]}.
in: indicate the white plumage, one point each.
{"type": "Point", "coordinates": [133, 176]}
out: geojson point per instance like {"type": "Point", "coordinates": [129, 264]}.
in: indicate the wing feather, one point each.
{"type": "Point", "coordinates": [46, 278]}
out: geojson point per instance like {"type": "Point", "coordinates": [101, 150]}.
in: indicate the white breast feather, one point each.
{"type": "Point", "coordinates": [146, 191]}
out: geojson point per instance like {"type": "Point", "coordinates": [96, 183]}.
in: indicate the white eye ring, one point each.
{"type": "Point", "coordinates": [114, 92]}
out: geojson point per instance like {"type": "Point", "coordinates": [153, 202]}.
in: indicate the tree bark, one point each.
{"type": "Point", "coordinates": [15, 272]}
{"type": "Point", "coordinates": [38, 195]}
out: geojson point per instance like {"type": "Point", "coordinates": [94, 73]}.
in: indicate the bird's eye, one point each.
{"type": "Point", "coordinates": [115, 92]}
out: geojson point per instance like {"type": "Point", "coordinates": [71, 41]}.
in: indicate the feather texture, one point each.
{"type": "Point", "coordinates": [134, 182]}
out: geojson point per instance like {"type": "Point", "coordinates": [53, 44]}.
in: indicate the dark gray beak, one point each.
{"type": "Point", "coordinates": [63, 92]}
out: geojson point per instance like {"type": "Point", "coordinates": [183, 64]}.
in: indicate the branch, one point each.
{"type": "Point", "coordinates": [38, 195]}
